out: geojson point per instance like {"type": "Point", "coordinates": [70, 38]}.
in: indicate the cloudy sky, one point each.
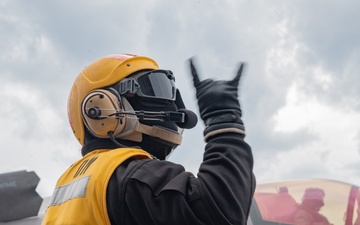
{"type": "Point", "coordinates": [300, 93]}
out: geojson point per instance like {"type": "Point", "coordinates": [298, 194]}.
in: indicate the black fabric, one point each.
{"type": "Point", "coordinates": [154, 105]}
{"type": "Point", "coordinates": [97, 143]}
{"type": "Point", "coordinates": [156, 147]}
{"type": "Point", "coordinates": [161, 192]}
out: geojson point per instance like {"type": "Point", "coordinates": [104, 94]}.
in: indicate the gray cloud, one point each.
{"type": "Point", "coordinates": [312, 45]}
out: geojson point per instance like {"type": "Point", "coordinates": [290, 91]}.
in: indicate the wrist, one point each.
{"type": "Point", "coordinates": [223, 116]}
{"type": "Point", "coordinates": [223, 128]}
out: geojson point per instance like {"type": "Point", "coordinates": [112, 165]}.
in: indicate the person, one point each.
{"type": "Point", "coordinates": [128, 116]}
{"type": "Point", "coordinates": [308, 212]}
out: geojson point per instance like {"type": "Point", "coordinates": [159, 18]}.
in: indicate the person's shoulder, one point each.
{"type": "Point", "coordinates": [156, 166]}
{"type": "Point", "coordinates": [153, 168]}
{"type": "Point", "coordinates": [159, 175]}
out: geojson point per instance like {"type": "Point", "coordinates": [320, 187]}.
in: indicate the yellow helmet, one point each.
{"type": "Point", "coordinates": [99, 74]}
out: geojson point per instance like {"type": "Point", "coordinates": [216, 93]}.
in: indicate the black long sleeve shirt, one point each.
{"type": "Point", "coordinates": [157, 192]}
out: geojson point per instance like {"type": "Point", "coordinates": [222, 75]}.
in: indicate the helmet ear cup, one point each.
{"type": "Point", "coordinates": [98, 111]}
{"type": "Point", "coordinates": [128, 130]}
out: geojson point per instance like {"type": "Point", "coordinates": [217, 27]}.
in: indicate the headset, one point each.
{"type": "Point", "coordinates": [107, 114]}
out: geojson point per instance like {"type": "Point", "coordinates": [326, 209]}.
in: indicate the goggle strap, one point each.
{"type": "Point", "coordinates": [178, 101]}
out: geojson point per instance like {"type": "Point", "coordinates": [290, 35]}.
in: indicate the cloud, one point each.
{"type": "Point", "coordinates": [299, 93]}
{"type": "Point", "coordinates": [32, 133]}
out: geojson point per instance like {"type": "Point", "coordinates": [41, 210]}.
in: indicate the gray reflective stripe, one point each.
{"type": "Point", "coordinates": [75, 189]}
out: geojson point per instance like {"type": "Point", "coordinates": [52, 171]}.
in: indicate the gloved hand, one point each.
{"type": "Point", "coordinates": [218, 104]}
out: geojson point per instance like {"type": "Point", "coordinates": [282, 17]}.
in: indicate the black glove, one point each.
{"type": "Point", "coordinates": [218, 104]}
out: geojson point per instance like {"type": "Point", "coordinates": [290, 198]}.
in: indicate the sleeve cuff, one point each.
{"type": "Point", "coordinates": [223, 130]}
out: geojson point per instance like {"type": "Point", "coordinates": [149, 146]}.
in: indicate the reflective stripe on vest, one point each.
{"type": "Point", "coordinates": [80, 193]}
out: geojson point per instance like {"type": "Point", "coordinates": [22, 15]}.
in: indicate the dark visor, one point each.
{"type": "Point", "coordinates": [158, 84]}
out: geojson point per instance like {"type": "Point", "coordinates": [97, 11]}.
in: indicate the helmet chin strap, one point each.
{"type": "Point", "coordinates": [159, 132]}
{"type": "Point", "coordinates": [153, 131]}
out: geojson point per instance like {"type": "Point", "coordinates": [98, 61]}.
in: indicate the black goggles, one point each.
{"type": "Point", "coordinates": [156, 84]}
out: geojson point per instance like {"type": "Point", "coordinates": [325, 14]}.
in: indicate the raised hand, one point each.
{"type": "Point", "coordinates": [218, 103]}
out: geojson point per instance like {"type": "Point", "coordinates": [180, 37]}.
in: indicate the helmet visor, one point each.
{"type": "Point", "coordinates": [157, 84]}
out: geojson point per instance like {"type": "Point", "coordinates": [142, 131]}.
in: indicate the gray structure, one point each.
{"type": "Point", "coordinates": [18, 196]}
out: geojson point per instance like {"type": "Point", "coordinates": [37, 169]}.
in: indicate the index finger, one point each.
{"type": "Point", "coordinates": [196, 79]}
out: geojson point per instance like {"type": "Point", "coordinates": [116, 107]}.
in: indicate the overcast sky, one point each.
{"type": "Point", "coordinates": [300, 93]}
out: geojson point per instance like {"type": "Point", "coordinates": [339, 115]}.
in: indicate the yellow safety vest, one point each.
{"type": "Point", "coordinates": [80, 193]}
